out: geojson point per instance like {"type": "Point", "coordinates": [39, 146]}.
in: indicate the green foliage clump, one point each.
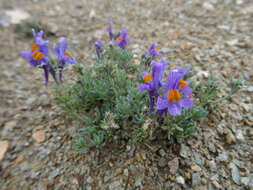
{"type": "Point", "coordinates": [105, 99]}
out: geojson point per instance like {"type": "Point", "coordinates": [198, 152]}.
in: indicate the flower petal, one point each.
{"type": "Point", "coordinates": [186, 90]}
{"type": "Point", "coordinates": [186, 102]}
{"type": "Point", "coordinates": [26, 54]}
{"type": "Point", "coordinates": [57, 51]}
{"type": "Point", "coordinates": [162, 103]}
{"type": "Point", "coordinates": [69, 60]}
{"type": "Point", "coordinates": [174, 109]}
{"type": "Point", "coordinates": [157, 72]}
{"type": "Point", "coordinates": [144, 87]}
{"type": "Point", "coordinates": [184, 71]}
{"type": "Point", "coordinates": [173, 80]}
{"type": "Point", "coordinates": [63, 45]}
{"type": "Point", "coordinates": [143, 74]}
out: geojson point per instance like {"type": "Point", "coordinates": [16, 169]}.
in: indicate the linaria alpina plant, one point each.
{"type": "Point", "coordinates": [152, 82]}
{"type": "Point", "coordinates": [176, 94]}
{"type": "Point", "coordinates": [151, 54]}
{"type": "Point", "coordinates": [99, 47]}
{"type": "Point", "coordinates": [64, 56]}
{"type": "Point", "coordinates": [108, 29]}
{"type": "Point", "coordinates": [39, 56]}
{"type": "Point", "coordinates": [153, 51]}
{"type": "Point", "coordinates": [121, 40]}
{"type": "Point", "coordinates": [115, 100]}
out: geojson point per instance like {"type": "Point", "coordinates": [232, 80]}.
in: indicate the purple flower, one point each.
{"type": "Point", "coordinates": [98, 45]}
{"type": "Point", "coordinates": [152, 81]}
{"type": "Point", "coordinates": [176, 96]}
{"type": "Point", "coordinates": [121, 39]}
{"type": "Point", "coordinates": [38, 55]}
{"type": "Point", "coordinates": [108, 28]}
{"type": "Point", "coordinates": [153, 52]}
{"type": "Point", "coordinates": [64, 57]}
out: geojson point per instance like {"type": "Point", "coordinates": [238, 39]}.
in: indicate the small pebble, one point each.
{"type": "Point", "coordinates": [180, 180]}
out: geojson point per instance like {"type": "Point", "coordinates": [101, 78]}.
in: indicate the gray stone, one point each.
{"type": "Point", "coordinates": [250, 89]}
{"type": "Point", "coordinates": [212, 166]}
{"type": "Point", "coordinates": [230, 138]}
{"type": "Point", "coordinates": [211, 147]}
{"type": "Point", "coordinates": [235, 173]}
{"type": "Point", "coordinates": [239, 135]}
{"type": "Point", "coordinates": [196, 168]}
{"type": "Point", "coordinates": [8, 127]}
{"type": "Point", "coordinates": [92, 14]}
{"type": "Point", "coordinates": [162, 152]}
{"type": "Point", "coordinates": [89, 180]}
{"type": "Point", "coordinates": [31, 100]}
{"type": "Point", "coordinates": [198, 159]}
{"type": "Point", "coordinates": [184, 151]}
{"type": "Point", "coordinates": [208, 6]}
{"type": "Point", "coordinates": [133, 169]}
{"type": "Point", "coordinates": [131, 151]}
{"type": "Point", "coordinates": [54, 173]}
{"type": "Point", "coordinates": [162, 162]}
{"type": "Point", "coordinates": [16, 16]}
{"type": "Point", "coordinates": [5, 164]}
{"type": "Point", "coordinates": [250, 182]}
{"type": "Point", "coordinates": [173, 165]}
{"type": "Point", "coordinates": [196, 180]}
{"type": "Point", "coordinates": [24, 166]}
{"type": "Point", "coordinates": [203, 181]}
{"type": "Point", "coordinates": [245, 181]}
{"type": "Point", "coordinates": [180, 180]}
{"type": "Point", "coordinates": [166, 50]}
{"type": "Point", "coordinates": [214, 177]}
{"type": "Point", "coordinates": [138, 182]}
{"type": "Point", "coordinates": [232, 42]}
{"type": "Point", "coordinates": [222, 157]}
{"type": "Point", "coordinates": [116, 185]}
{"type": "Point", "coordinates": [125, 172]}
{"type": "Point", "coordinates": [43, 99]}
{"type": "Point", "coordinates": [108, 176]}
{"type": "Point", "coordinates": [224, 27]}
{"type": "Point", "coordinates": [34, 174]}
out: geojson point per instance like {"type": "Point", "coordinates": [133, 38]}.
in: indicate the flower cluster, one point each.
{"type": "Point", "coordinates": [38, 56]}
{"type": "Point", "coordinates": [105, 98]}
{"type": "Point", "coordinates": [120, 39]}
{"type": "Point", "coordinates": [153, 52]}
{"type": "Point", "coordinates": [152, 81]}
{"type": "Point", "coordinates": [176, 90]}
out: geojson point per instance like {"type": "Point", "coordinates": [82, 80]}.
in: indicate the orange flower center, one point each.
{"type": "Point", "coordinates": [173, 95]}
{"type": "Point", "coordinates": [119, 38]}
{"type": "Point", "coordinates": [147, 78]}
{"type": "Point", "coordinates": [34, 47]}
{"type": "Point", "coordinates": [182, 84]}
{"type": "Point", "coordinates": [37, 55]}
{"type": "Point", "coordinates": [68, 53]}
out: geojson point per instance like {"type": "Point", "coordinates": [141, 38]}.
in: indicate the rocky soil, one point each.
{"type": "Point", "coordinates": [214, 36]}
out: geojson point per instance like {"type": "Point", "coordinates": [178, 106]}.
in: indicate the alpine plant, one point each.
{"type": "Point", "coordinates": [152, 82]}
{"type": "Point", "coordinates": [176, 94]}
{"type": "Point", "coordinates": [176, 91]}
{"type": "Point", "coordinates": [38, 56]}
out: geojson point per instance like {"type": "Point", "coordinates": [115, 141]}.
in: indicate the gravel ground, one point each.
{"type": "Point", "coordinates": [214, 36]}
